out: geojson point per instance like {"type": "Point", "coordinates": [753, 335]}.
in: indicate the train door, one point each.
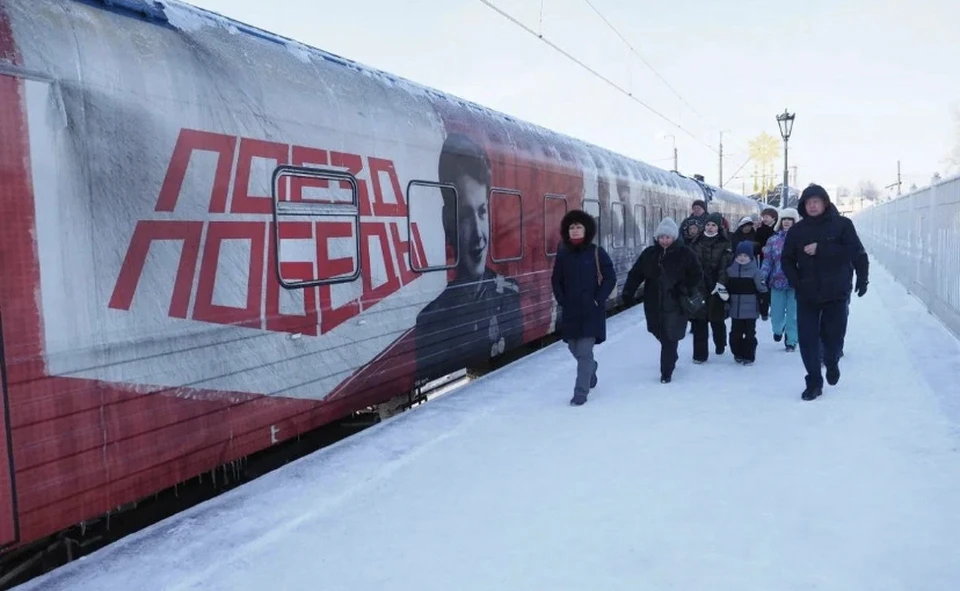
{"type": "Point", "coordinates": [8, 505]}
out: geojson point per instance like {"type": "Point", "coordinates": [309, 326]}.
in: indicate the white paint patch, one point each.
{"type": "Point", "coordinates": [230, 287]}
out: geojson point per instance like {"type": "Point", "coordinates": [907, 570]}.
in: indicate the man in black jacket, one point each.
{"type": "Point", "coordinates": [818, 258]}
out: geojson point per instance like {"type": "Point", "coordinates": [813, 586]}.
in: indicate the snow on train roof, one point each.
{"type": "Point", "coordinates": [191, 19]}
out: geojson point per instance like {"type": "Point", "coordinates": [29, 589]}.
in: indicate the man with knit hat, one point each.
{"type": "Point", "coordinates": [818, 256]}
{"type": "Point", "coordinates": [698, 216]}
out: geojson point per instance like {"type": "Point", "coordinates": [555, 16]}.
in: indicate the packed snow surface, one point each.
{"type": "Point", "coordinates": [721, 480]}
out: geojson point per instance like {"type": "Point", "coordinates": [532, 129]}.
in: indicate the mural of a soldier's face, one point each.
{"type": "Point", "coordinates": [473, 228]}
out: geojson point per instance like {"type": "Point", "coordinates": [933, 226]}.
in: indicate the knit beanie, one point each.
{"type": "Point", "coordinates": [667, 227]}
{"type": "Point", "coordinates": [745, 247]}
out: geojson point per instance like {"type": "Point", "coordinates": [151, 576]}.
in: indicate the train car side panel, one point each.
{"type": "Point", "coordinates": [18, 276]}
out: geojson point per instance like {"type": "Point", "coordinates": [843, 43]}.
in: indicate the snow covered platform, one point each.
{"type": "Point", "coordinates": [723, 479]}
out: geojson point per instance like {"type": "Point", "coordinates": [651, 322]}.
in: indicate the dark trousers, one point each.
{"type": "Point", "coordinates": [743, 339]}
{"type": "Point", "coordinates": [701, 350]}
{"type": "Point", "coordinates": [668, 357]}
{"type": "Point", "coordinates": [843, 337]}
{"type": "Point", "coordinates": [820, 323]}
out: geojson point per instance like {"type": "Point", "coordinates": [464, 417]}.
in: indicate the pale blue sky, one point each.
{"type": "Point", "coordinates": [871, 81]}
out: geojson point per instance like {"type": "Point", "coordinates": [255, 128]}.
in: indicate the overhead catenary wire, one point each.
{"type": "Point", "coordinates": [610, 82]}
{"type": "Point", "coordinates": [747, 161]}
{"type": "Point", "coordinates": [642, 59]}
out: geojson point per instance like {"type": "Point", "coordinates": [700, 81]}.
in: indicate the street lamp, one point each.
{"type": "Point", "coordinates": [785, 121]}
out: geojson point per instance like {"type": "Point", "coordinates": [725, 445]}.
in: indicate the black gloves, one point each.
{"type": "Point", "coordinates": [861, 289]}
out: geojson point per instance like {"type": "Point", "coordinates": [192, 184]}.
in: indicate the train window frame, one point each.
{"type": "Point", "coordinates": [519, 196]}
{"type": "Point", "coordinates": [566, 209]}
{"type": "Point", "coordinates": [598, 218]}
{"type": "Point", "coordinates": [456, 213]}
{"type": "Point", "coordinates": [303, 209]}
{"type": "Point", "coordinates": [623, 226]}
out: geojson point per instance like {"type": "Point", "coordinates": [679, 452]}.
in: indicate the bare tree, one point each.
{"type": "Point", "coordinates": [869, 190]}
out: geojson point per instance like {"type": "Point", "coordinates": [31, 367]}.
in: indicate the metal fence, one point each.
{"type": "Point", "coordinates": [917, 238]}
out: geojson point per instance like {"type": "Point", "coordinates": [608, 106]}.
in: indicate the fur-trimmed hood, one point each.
{"type": "Point", "coordinates": [744, 221]}
{"type": "Point", "coordinates": [580, 217]}
{"type": "Point", "coordinates": [814, 190]}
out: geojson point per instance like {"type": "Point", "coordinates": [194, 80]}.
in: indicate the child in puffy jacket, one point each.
{"type": "Point", "coordinates": [783, 298]}
{"type": "Point", "coordinates": [744, 285]}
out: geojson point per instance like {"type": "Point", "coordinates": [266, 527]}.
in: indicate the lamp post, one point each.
{"type": "Point", "coordinates": [785, 121]}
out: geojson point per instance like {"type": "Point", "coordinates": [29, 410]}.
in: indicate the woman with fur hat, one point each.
{"type": "Point", "coordinates": [583, 279]}
{"type": "Point", "coordinates": [783, 298]}
{"type": "Point", "coordinates": [667, 270]}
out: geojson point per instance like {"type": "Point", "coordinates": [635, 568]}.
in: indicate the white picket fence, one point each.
{"type": "Point", "coordinates": [917, 238]}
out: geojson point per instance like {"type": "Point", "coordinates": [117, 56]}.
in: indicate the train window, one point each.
{"type": "Point", "coordinates": [618, 225]}
{"type": "Point", "coordinates": [433, 244]}
{"type": "Point", "coordinates": [316, 235]}
{"type": "Point", "coordinates": [506, 225]}
{"type": "Point", "coordinates": [640, 229]}
{"type": "Point", "coordinates": [592, 207]}
{"type": "Point", "coordinates": [554, 208]}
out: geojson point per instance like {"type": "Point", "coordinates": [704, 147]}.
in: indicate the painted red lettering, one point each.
{"type": "Point", "coordinates": [401, 247]}
{"type": "Point", "coordinates": [354, 165]}
{"type": "Point", "coordinates": [381, 207]}
{"type": "Point", "coordinates": [311, 157]}
{"type": "Point", "coordinates": [243, 202]}
{"type": "Point", "coordinates": [189, 141]}
{"type": "Point", "coordinates": [204, 309]}
{"type": "Point", "coordinates": [146, 232]}
{"type": "Point", "coordinates": [331, 317]}
{"type": "Point", "coordinates": [372, 295]}
{"type": "Point", "coordinates": [256, 277]}
{"type": "Point", "coordinates": [305, 323]}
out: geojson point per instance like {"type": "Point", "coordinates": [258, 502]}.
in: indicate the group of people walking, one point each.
{"type": "Point", "coordinates": [796, 269]}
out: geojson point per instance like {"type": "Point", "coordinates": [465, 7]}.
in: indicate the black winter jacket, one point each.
{"type": "Point", "coordinates": [826, 276]}
{"type": "Point", "coordinates": [665, 275]}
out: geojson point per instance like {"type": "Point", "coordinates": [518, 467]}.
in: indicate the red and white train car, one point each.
{"type": "Point", "coordinates": [215, 239]}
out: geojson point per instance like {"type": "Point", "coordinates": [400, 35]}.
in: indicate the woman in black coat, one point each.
{"type": "Point", "coordinates": [714, 249]}
{"type": "Point", "coordinates": [583, 278]}
{"type": "Point", "coordinates": [668, 271]}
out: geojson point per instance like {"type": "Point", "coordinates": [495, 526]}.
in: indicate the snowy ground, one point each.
{"type": "Point", "coordinates": [722, 480]}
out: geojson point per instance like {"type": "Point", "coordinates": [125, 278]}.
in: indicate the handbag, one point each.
{"type": "Point", "coordinates": [691, 303]}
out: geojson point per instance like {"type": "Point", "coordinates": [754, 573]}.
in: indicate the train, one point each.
{"type": "Point", "coordinates": [216, 239]}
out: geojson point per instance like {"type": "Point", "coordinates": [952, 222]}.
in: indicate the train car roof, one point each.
{"type": "Point", "coordinates": [181, 16]}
